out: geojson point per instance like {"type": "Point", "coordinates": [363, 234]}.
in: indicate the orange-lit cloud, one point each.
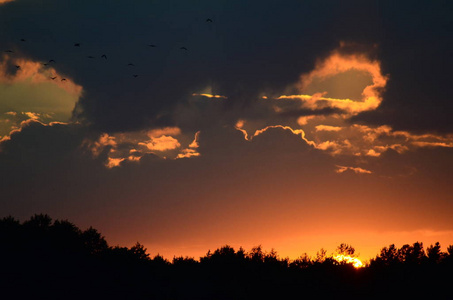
{"type": "Point", "coordinates": [34, 72]}
{"type": "Point", "coordinates": [383, 137]}
{"type": "Point", "coordinates": [191, 151]}
{"type": "Point", "coordinates": [304, 120]}
{"type": "Point", "coordinates": [167, 142]}
{"type": "Point", "coordinates": [113, 162]}
{"type": "Point", "coordinates": [26, 123]}
{"type": "Point", "coordinates": [340, 136]}
{"type": "Point", "coordinates": [30, 93]}
{"type": "Point", "coordinates": [5, 1]}
{"type": "Point", "coordinates": [336, 65]}
{"type": "Point", "coordinates": [187, 153]}
{"type": "Point", "coordinates": [104, 141]}
{"type": "Point", "coordinates": [339, 63]}
{"type": "Point", "coordinates": [162, 139]}
{"type": "Point", "coordinates": [195, 143]}
{"type": "Point", "coordinates": [299, 132]}
{"type": "Point", "coordinates": [32, 115]}
{"type": "Point", "coordinates": [162, 143]}
{"type": "Point", "coordinates": [342, 169]}
{"type": "Point", "coordinates": [210, 96]}
{"type": "Point", "coordinates": [154, 133]}
{"type": "Point", "coordinates": [433, 144]}
{"type": "Point", "coordinates": [328, 128]}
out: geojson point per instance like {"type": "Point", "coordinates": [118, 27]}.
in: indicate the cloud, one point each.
{"type": "Point", "coordinates": [434, 144]}
{"type": "Point", "coordinates": [298, 132]}
{"type": "Point", "coordinates": [327, 128]}
{"type": "Point", "coordinates": [29, 92]}
{"type": "Point", "coordinates": [357, 170]}
{"type": "Point", "coordinates": [39, 147]}
{"type": "Point", "coordinates": [166, 143]}
{"type": "Point", "coordinates": [187, 153]}
{"type": "Point", "coordinates": [304, 120]}
{"type": "Point", "coordinates": [162, 143]}
{"type": "Point", "coordinates": [98, 146]}
{"type": "Point", "coordinates": [5, 1]}
{"type": "Point", "coordinates": [334, 64]}
{"type": "Point", "coordinates": [210, 96]}
{"type": "Point", "coordinates": [34, 72]}
{"type": "Point", "coordinates": [342, 137]}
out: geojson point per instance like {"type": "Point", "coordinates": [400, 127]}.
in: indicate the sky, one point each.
{"type": "Point", "coordinates": [188, 125]}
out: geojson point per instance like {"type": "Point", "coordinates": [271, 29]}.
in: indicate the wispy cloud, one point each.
{"type": "Point", "coordinates": [357, 170]}
{"type": "Point", "coordinates": [210, 96]}
{"type": "Point", "coordinates": [328, 128]}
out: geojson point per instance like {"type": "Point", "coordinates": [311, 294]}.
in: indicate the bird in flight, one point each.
{"type": "Point", "coordinates": [63, 79]}
{"type": "Point", "coordinates": [17, 67]}
{"type": "Point", "coordinates": [53, 78]}
{"type": "Point", "coordinates": [77, 45]}
{"type": "Point", "coordinates": [152, 45]}
{"type": "Point", "coordinates": [45, 64]}
{"type": "Point", "coordinates": [209, 20]}
{"type": "Point", "coordinates": [51, 61]}
{"type": "Point", "coordinates": [135, 76]}
{"type": "Point", "coordinates": [22, 40]}
{"type": "Point", "coordinates": [184, 48]}
{"type": "Point", "coordinates": [104, 56]}
{"type": "Point", "coordinates": [131, 64]}
{"type": "Point", "coordinates": [89, 56]}
{"type": "Point", "coordinates": [9, 51]}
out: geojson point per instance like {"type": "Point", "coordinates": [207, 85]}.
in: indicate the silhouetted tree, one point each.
{"type": "Point", "coordinates": [159, 261]}
{"type": "Point", "coordinates": [56, 257]}
{"type": "Point", "coordinates": [256, 255]}
{"type": "Point", "coordinates": [184, 261]}
{"type": "Point", "coordinates": [65, 236]}
{"type": "Point", "coordinates": [434, 254]}
{"type": "Point", "coordinates": [139, 252]}
{"type": "Point", "coordinates": [321, 256]}
{"type": "Point", "coordinates": [388, 256]}
{"type": "Point", "coordinates": [449, 251]}
{"type": "Point", "coordinates": [345, 249]}
{"type": "Point", "coordinates": [93, 241]}
{"type": "Point", "coordinates": [39, 221]}
{"type": "Point", "coordinates": [412, 254]}
{"type": "Point", "coordinates": [8, 222]}
{"type": "Point", "coordinates": [302, 262]}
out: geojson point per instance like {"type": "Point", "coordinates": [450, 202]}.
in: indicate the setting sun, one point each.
{"type": "Point", "coordinates": [357, 263]}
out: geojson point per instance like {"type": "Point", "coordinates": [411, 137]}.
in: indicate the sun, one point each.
{"type": "Point", "coordinates": [357, 263]}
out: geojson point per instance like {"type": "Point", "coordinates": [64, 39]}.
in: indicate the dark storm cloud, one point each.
{"type": "Point", "coordinates": [415, 49]}
{"type": "Point", "coordinates": [45, 170]}
{"type": "Point", "coordinates": [39, 162]}
{"type": "Point", "coordinates": [249, 48]}
{"type": "Point", "coordinates": [309, 112]}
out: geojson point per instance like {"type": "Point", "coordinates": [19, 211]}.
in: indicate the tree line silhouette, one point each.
{"type": "Point", "coordinates": [42, 258]}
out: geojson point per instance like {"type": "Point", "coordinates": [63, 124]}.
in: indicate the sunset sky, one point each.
{"type": "Point", "coordinates": [295, 125]}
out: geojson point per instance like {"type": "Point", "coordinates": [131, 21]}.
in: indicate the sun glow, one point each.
{"type": "Point", "coordinates": [357, 263]}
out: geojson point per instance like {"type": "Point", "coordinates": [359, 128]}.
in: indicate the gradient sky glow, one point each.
{"type": "Point", "coordinates": [298, 126]}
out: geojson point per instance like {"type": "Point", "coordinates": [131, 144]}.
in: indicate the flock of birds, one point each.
{"type": "Point", "coordinates": [104, 56]}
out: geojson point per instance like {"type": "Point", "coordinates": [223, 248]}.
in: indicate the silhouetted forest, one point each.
{"type": "Point", "coordinates": [46, 259]}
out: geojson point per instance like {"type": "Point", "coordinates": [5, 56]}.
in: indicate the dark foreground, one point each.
{"type": "Point", "coordinates": [42, 259]}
